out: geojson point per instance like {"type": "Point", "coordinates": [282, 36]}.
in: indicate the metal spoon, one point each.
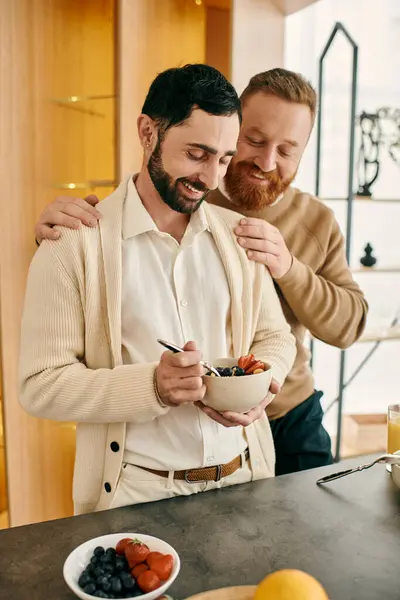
{"type": "Point", "coordinates": [177, 349]}
{"type": "Point", "coordinates": [389, 459]}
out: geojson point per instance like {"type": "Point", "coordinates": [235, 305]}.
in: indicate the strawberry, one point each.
{"type": "Point", "coordinates": [120, 548]}
{"type": "Point", "coordinates": [162, 566]}
{"type": "Point", "coordinates": [258, 364]}
{"type": "Point", "coordinates": [148, 581]}
{"type": "Point", "coordinates": [139, 569]}
{"type": "Point", "coordinates": [241, 362]}
{"type": "Point", "coordinates": [248, 361]}
{"type": "Point", "coordinates": [136, 552]}
{"type": "Point", "coordinates": [152, 556]}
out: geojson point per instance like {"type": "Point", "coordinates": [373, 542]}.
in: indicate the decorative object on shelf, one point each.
{"type": "Point", "coordinates": [368, 260]}
{"type": "Point", "coordinates": [390, 125]}
{"type": "Point", "coordinates": [368, 157]}
{"type": "Point", "coordinates": [381, 128]}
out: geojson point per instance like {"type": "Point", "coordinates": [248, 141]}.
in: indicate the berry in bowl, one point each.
{"type": "Point", "coordinates": [125, 565]}
{"type": "Point", "coordinates": [243, 384]}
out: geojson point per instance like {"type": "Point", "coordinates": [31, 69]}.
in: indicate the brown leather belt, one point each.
{"type": "Point", "coordinates": [204, 474]}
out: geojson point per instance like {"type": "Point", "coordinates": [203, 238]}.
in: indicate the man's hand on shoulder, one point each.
{"type": "Point", "coordinates": [264, 243]}
{"type": "Point", "coordinates": [67, 212]}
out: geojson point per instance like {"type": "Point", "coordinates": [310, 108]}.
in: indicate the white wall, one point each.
{"type": "Point", "coordinates": [258, 29]}
{"type": "Point", "coordinates": [375, 26]}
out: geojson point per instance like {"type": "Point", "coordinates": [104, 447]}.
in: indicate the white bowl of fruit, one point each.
{"type": "Point", "coordinates": [122, 565]}
{"type": "Point", "coordinates": [243, 384]}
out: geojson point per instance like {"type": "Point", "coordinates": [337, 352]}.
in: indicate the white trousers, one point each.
{"type": "Point", "coordinates": [136, 485]}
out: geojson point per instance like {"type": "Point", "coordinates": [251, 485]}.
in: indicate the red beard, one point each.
{"type": "Point", "coordinates": [252, 196]}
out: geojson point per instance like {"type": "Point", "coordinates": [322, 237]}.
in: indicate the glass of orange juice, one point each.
{"type": "Point", "coordinates": [393, 435]}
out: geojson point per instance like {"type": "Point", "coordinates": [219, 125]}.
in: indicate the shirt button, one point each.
{"type": "Point", "coordinates": [183, 303]}
{"type": "Point", "coordinates": [210, 458]}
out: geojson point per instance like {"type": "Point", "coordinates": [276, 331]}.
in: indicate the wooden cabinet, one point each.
{"type": "Point", "coordinates": [53, 54]}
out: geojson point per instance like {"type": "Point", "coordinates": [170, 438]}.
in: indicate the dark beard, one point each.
{"type": "Point", "coordinates": [249, 195]}
{"type": "Point", "coordinates": [168, 190]}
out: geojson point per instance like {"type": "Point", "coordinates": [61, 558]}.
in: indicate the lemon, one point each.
{"type": "Point", "coordinates": [290, 584]}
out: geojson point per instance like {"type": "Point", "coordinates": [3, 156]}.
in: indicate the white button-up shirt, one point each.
{"type": "Point", "coordinates": [176, 292]}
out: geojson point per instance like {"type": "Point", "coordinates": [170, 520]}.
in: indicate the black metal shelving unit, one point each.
{"type": "Point", "coordinates": [339, 29]}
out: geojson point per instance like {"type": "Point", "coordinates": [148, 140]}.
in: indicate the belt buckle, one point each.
{"type": "Point", "coordinates": [187, 471]}
{"type": "Point", "coordinates": [218, 475]}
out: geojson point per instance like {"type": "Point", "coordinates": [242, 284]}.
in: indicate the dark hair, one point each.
{"type": "Point", "coordinates": [174, 94]}
{"type": "Point", "coordinates": [285, 84]}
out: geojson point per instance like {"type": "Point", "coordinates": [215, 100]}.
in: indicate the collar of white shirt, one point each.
{"type": "Point", "coordinates": [137, 220]}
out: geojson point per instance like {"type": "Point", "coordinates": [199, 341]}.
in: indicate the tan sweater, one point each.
{"type": "Point", "coordinates": [71, 365]}
{"type": "Point", "coordinates": [318, 294]}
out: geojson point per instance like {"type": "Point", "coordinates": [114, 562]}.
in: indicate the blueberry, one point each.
{"type": "Point", "coordinates": [239, 372]}
{"type": "Point", "coordinates": [84, 579]}
{"type": "Point", "coordinates": [111, 552]}
{"type": "Point", "coordinates": [90, 588]}
{"type": "Point", "coordinates": [227, 372]}
{"type": "Point", "coordinates": [100, 594]}
{"type": "Point", "coordinates": [109, 568]}
{"type": "Point", "coordinates": [90, 569]}
{"type": "Point", "coordinates": [100, 580]}
{"type": "Point", "coordinates": [220, 370]}
{"type": "Point", "coordinates": [94, 560]}
{"type": "Point", "coordinates": [116, 585]}
{"type": "Point", "coordinates": [99, 551]}
{"type": "Point", "coordinates": [107, 558]}
{"type": "Point", "coordinates": [128, 582]}
{"type": "Point", "coordinates": [98, 572]}
{"type": "Point", "coordinates": [106, 586]}
{"type": "Point", "coordinates": [120, 563]}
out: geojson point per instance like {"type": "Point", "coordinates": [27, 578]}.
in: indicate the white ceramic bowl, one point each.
{"type": "Point", "coordinates": [396, 472]}
{"type": "Point", "coordinates": [80, 557]}
{"type": "Point", "coordinates": [239, 394]}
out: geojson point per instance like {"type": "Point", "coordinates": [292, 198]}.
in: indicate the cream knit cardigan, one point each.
{"type": "Point", "coordinates": [70, 360]}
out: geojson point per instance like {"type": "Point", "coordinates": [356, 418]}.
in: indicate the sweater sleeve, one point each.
{"type": "Point", "coordinates": [329, 303]}
{"type": "Point", "coordinates": [54, 381]}
{"type": "Point", "coordinates": [273, 342]}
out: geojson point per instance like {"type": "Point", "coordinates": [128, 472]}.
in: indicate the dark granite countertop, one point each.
{"type": "Point", "coordinates": [346, 534]}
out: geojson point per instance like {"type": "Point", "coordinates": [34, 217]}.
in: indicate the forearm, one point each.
{"type": "Point", "coordinates": [273, 342]}
{"type": "Point", "coordinates": [278, 350]}
{"type": "Point", "coordinates": [332, 312]}
{"type": "Point", "coordinates": [54, 381]}
{"type": "Point", "coordinates": [75, 393]}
